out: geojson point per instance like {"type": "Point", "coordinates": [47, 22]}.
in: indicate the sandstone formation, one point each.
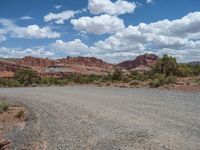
{"type": "Point", "coordinates": [142, 62]}
{"type": "Point", "coordinates": [65, 66]}
{"type": "Point", "coordinates": [8, 68]}
{"type": "Point", "coordinates": [59, 67]}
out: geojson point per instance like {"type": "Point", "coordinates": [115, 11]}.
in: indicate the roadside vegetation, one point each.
{"type": "Point", "coordinates": [10, 116]}
{"type": "Point", "coordinates": [3, 105]}
{"type": "Point", "coordinates": [165, 71]}
{"type": "Point", "coordinates": [20, 113]}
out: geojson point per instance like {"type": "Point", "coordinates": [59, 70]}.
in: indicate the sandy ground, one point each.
{"type": "Point", "coordinates": [92, 118]}
{"type": "Point", "coordinates": [9, 120]}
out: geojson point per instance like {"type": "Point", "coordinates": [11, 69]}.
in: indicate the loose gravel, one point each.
{"type": "Point", "coordinates": [92, 118]}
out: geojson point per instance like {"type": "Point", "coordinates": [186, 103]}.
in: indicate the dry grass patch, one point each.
{"type": "Point", "coordinates": [3, 105]}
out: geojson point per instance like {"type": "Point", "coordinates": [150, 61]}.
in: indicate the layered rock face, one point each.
{"type": "Point", "coordinates": [86, 61]}
{"type": "Point", "coordinates": [70, 65]}
{"type": "Point", "coordinates": [8, 68]}
{"type": "Point", "coordinates": [36, 62]}
{"type": "Point", "coordinates": [142, 62]}
{"type": "Point", "coordinates": [83, 65]}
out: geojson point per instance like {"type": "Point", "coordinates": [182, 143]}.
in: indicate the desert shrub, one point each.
{"type": "Point", "coordinates": [155, 83]}
{"type": "Point", "coordinates": [80, 79]}
{"type": "Point", "coordinates": [20, 114]}
{"type": "Point", "coordinates": [117, 75]}
{"type": "Point", "coordinates": [89, 78]}
{"type": "Point", "coordinates": [141, 76]}
{"type": "Point", "coordinates": [76, 78]}
{"type": "Point", "coordinates": [9, 82]}
{"type": "Point", "coordinates": [134, 82]}
{"type": "Point", "coordinates": [49, 80]}
{"type": "Point", "coordinates": [166, 66]}
{"type": "Point", "coordinates": [2, 82]}
{"type": "Point", "coordinates": [195, 69]}
{"type": "Point", "coordinates": [184, 70]}
{"type": "Point", "coordinates": [3, 105]}
{"type": "Point", "coordinates": [125, 78]}
{"type": "Point", "coordinates": [12, 83]}
{"type": "Point", "coordinates": [160, 80]}
{"type": "Point", "coordinates": [27, 77]}
{"type": "Point", "coordinates": [197, 81]}
{"type": "Point", "coordinates": [106, 78]}
{"type": "Point", "coordinates": [62, 82]}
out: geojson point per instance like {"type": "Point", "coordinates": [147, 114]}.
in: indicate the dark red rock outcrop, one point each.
{"type": "Point", "coordinates": [142, 62]}
{"type": "Point", "coordinates": [8, 68]}
{"type": "Point", "coordinates": [86, 61]}
{"type": "Point", "coordinates": [60, 67]}
{"type": "Point", "coordinates": [36, 62]}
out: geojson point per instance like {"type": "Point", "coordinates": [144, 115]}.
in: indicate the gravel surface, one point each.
{"type": "Point", "coordinates": [106, 118]}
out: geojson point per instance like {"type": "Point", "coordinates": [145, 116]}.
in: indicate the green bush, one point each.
{"type": "Point", "coordinates": [197, 81]}
{"type": "Point", "coordinates": [134, 82]}
{"type": "Point", "coordinates": [9, 82]}
{"type": "Point", "coordinates": [20, 114]}
{"type": "Point", "coordinates": [141, 76]}
{"type": "Point", "coordinates": [117, 75]}
{"type": "Point", "coordinates": [12, 83]}
{"type": "Point", "coordinates": [106, 78]}
{"type": "Point", "coordinates": [27, 77]}
{"type": "Point", "coordinates": [155, 83]}
{"type": "Point", "coordinates": [166, 66]}
{"type": "Point", "coordinates": [49, 80]}
{"type": "Point", "coordinates": [3, 105]}
{"type": "Point", "coordinates": [160, 80]}
{"type": "Point", "coordinates": [195, 69]}
{"type": "Point", "coordinates": [184, 70]}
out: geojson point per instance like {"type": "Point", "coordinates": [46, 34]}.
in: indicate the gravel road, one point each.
{"type": "Point", "coordinates": [92, 118]}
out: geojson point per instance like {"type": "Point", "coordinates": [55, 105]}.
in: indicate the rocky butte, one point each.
{"type": "Point", "coordinates": [142, 62]}
{"type": "Point", "coordinates": [59, 67]}
{"type": "Point", "coordinates": [65, 66]}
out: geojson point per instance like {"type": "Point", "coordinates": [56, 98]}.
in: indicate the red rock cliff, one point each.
{"type": "Point", "coordinates": [143, 60]}
{"type": "Point", "coordinates": [36, 62]}
{"type": "Point", "coordinates": [86, 61]}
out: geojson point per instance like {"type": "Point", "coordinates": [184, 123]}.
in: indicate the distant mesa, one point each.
{"type": "Point", "coordinates": [194, 63]}
{"type": "Point", "coordinates": [70, 65]}
{"type": "Point", "coordinates": [59, 67]}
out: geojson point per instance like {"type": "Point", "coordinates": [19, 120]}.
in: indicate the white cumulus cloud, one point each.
{"type": "Point", "coordinates": [2, 38]}
{"type": "Point", "coordinates": [26, 18]}
{"type": "Point", "coordinates": [75, 47]}
{"type": "Point", "coordinates": [58, 6]}
{"type": "Point", "coordinates": [9, 28]}
{"type": "Point", "coordinates": [60, 18]}
{"type": "Point", "coordinates": [98, 24]}
{"type": "Point", "coordinates": [113, 8]}
{"type": "Point", "coordinates": [149, 1]}
{"type": "Point", "coordinates": [178, 37]}
{"type": "Point", "coordinates": [19, 52]}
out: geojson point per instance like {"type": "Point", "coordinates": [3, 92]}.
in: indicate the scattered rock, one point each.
{"type": "Point", "coordinates": [4, 144]}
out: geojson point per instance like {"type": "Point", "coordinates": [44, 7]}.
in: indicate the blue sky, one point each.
{"type": "Point", "coordinates": [113, 30]}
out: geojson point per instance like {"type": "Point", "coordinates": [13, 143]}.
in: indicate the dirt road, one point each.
{"type": "Point", "coordinates": [107, 118]}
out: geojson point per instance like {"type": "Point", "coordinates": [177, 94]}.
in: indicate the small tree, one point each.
{"type": "Point", "coordinates": [184, 70]}
{"type": "Point", "coordinates": [195, 69]}
{"type": "Point", "coordinates": [166, 66]}
{"type": "Point", "coordinates": [117, 75]}
{"type": "Point", "coordinates": [27, 77]}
